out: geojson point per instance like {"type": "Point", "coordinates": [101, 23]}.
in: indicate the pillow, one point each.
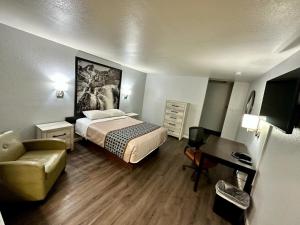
{"type": "Point", "coordinates": [114, 112]}
{"type": "Point", "coordinates": [96, 114]}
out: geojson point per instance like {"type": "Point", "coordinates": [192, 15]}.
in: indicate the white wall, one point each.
{"type": "Point", "coordinates": [276, 198]}
{"type": "Point", "coordinates": [215, 105]}
{"type": "Point", "coordinates": [27, 96]}
{"type": "Point", "coordinates": [235, 110]}
{"type": "Point", "coordinates": [160, 88]}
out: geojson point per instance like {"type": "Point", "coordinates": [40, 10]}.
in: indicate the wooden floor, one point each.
{"type": "Point", "coordinates": [95, 190]}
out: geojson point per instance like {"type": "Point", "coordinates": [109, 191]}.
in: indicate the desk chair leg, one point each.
{"type": "Point", "coordinates": [198, 173]}
{"type": "Point", "coordinates": [191, 167]}
{"type": "Point", "coordinates": [249, 181]}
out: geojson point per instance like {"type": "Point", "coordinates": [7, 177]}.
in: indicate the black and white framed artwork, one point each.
{"type": "Point", "coordinates": [97, 86]}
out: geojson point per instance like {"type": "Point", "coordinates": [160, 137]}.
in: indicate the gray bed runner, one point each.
{"type": "Point", "coordinates": [116, 141]}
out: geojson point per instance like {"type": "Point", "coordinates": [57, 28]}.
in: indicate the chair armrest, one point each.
{"type": "Point", "coordinates": [45, 144]}
{"type": "Point", "coordinates": [21, 171]}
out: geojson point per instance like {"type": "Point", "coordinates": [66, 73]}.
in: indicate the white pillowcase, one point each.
{"type": "Point", "coordinates": [96, 114]}
{"type": "Point", "coordinates": [114, 112]}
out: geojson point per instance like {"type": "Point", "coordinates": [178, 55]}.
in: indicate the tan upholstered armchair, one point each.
{"type": "Point", "coordinates": [28, 170]}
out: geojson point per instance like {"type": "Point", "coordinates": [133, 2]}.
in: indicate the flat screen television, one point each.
{"type": "Point", "coordinates": [281, 101]}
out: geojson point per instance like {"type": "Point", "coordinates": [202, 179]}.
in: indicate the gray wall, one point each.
{"type": "Point", "coordinates": [215, 105]}
{"type": "Point", "coordinates": [160, 88]}
{"type": "Point", "coordinates": [235, 110]}
{"type": "Point", "coordinates": [27, 96]}
{"type": "Point", "coordinates": [276, 198]}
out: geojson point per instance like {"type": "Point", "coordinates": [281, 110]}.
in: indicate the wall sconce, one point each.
{"type": "Point", "coordinates": [251, 123]}
{"type": "Point", "coordinates": [60, 87]}
{"type": "Point", "coordinates": [127, 93]}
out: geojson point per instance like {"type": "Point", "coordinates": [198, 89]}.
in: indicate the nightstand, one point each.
{"type": "Point", "coordinates": [61, 130]}
{"type": "Point", "coordinates": [133, 115]}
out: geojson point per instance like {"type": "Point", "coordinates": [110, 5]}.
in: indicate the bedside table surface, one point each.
{"type": "Point", "coordinates": [53, 126]}
{"type": "Point", "coordinates": [131, 114]}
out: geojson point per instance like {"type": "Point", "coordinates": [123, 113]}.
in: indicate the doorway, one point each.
{"type": "Point", "coordinates": [215, 105]}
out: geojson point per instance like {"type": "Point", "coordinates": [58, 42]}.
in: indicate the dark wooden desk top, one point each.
{"type": "Point", "coordinates": [222, 148]}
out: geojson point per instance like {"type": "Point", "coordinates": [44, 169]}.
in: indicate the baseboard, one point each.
{"type": "Point", "coordinates": [185, 136]}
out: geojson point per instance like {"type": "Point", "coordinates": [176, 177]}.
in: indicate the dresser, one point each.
{"type": "Point", "coordinates": [61, 130]}
{"type": "Point", "coordinates": [175, 116]}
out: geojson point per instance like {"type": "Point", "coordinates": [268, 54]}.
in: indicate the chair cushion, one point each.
{"type": "Point", "coordinates": [49, 158]}
{"type": "Point", "coordinates": [11, 148]}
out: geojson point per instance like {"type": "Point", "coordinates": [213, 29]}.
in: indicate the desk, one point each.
{"type": "Point", "coordinates": [219, 150]}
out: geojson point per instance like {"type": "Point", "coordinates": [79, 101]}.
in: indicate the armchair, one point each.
{"type": "Point", "coordinates": [28, 170]}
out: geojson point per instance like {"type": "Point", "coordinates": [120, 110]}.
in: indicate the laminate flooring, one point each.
{"type": "Point", "coordinates": [97, 190]}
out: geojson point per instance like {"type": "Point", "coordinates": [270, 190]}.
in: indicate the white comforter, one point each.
{"type": "Point", "coordinates": [137, 149]}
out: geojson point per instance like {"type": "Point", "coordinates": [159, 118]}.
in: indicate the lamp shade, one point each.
{"type": "Point", "coordinates": [250, 122]}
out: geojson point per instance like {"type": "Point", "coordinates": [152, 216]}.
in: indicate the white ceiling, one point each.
{"type": "Point", "coordinates": [213, 38]}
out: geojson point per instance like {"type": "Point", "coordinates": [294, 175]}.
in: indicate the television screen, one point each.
{"type": "Point", "coordinates": [281, 100]}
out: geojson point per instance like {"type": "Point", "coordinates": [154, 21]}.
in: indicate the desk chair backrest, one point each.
{"type": "Point", "coordinates": [197, 137]}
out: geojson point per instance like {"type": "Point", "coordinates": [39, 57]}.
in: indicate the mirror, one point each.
{"type": "Point", "coordinates": [250, 103]}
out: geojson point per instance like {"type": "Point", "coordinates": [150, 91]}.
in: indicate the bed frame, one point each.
{"type": "Point", "coordinates": [107, 153]}
{"type": "Point", "coordinates": [115, 158]}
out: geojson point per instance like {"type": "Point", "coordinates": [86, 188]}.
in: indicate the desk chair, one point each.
{"type": "Point", "coordinates": [197, 137]}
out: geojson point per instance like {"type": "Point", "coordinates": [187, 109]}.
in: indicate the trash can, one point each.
{"type": "Point", "coordinates": [241, 179]}
{"type": "Point", "coordinates": [230, 203]}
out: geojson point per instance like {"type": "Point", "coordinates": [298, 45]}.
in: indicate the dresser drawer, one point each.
{"type": "Point", "coordinates": [178, 109]}
{"type": "Point", "coordinates": [60, 134]}
{"type": "Point", "coordinates": [174, 124]}
{"type": "Point", "coordinates": [174, 118]}
{"type": "Point", "coordinates": [58, 130]}
{"type": "Point", "coordinates": [176, 105]}
{"type": "Point", "coordinates": [174, 112]}
{"type": "Point", "coordinates": [173, 133]}
{"type": "Point", "coordinates": [64, 135]}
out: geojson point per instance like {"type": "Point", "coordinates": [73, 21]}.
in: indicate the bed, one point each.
{"type": "Point", "coordinates": [99, 120]}
{"type": "Point", "coordinates": [135, 138]}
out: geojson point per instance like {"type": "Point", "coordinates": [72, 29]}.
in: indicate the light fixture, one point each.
{"type": "Point", "coordinates": [126, 93]}
{"type": "Point", "coordinates": [251, 123]}
{"type": "Point", "coordinates": [238, 73]}
{"type": "Point", "coordinates": [60, 87]}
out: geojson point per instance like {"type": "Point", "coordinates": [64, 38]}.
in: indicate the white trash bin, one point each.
{"type": "Point", "coordinates": [230, 202]}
